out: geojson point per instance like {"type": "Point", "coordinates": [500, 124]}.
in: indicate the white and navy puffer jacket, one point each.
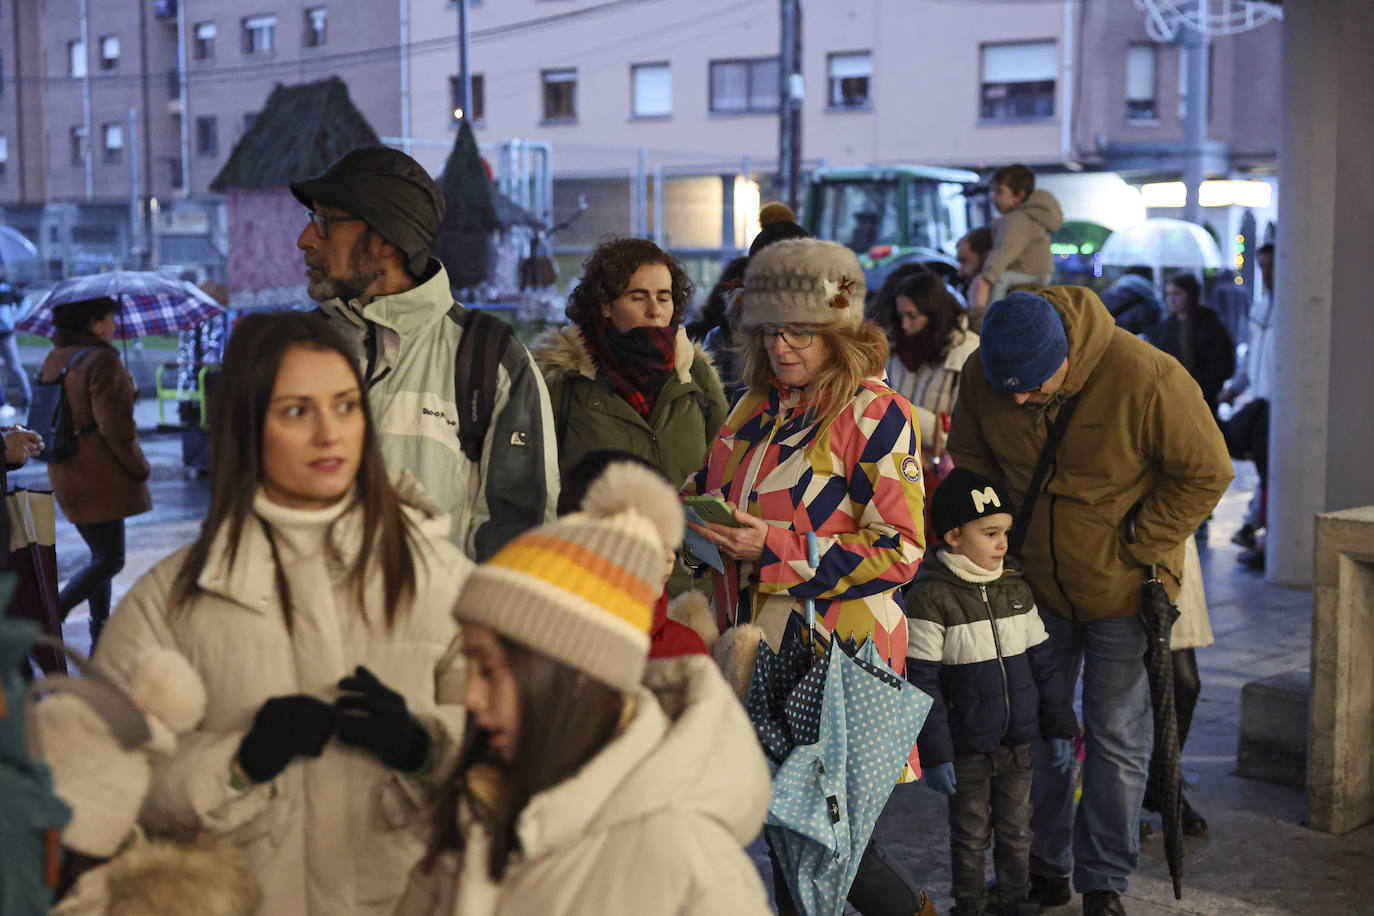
{"type": "Point", "coordinates": [976, 644]}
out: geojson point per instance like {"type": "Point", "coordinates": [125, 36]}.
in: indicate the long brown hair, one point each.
{"type": "Point", "coordinates": [238, 410]}
{"type": "Point", "coordinates": [856, 353]}
{"type": "Point", "coordinates": [566, 718]}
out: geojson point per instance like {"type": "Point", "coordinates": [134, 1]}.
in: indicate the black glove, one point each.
{"type": "Point", "coordinates": [283, 728]}
{"type": "Point", "coordinates": [374, 717]}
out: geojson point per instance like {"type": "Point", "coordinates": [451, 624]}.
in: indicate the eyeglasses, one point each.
{"type": "Point", "coordinates": [321, 222]}
{"type": "Point", "coordinates": [796, 338]}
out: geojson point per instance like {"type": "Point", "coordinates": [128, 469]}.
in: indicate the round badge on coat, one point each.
{"type": "Point", "coordinates": [911, 468]}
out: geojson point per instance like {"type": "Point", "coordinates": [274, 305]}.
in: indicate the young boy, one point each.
{"type": "Point", "coordinates": [1020, 254]}
{"type": "Point", "coordinates": [977, 646]}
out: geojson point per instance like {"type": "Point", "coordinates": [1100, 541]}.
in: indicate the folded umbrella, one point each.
{"type": "Point", "coordinates": [1165, 781]}
{"type": "Point", "coordinates": [150, 303]}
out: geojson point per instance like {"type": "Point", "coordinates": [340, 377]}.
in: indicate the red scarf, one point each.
{"type": "Point", "coordinates": [911, 348]}
{"type": "Point", "coordinates": [637, 363]}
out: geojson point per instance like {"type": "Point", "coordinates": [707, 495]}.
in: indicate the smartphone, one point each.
{"type": "Point", "coordinates": [713, 509]}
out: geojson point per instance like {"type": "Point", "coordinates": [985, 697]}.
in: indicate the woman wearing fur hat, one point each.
{"type": "Point", "coordinates": [314, 606]}
{"type": "Point", "coordinates": [624, 375]}
{"type": "Point", "coordinates": [819, 446]}
{"type": "Point", "coordinates": [821, 463]}
{"type": "Point", "coordinates": [592, 782]}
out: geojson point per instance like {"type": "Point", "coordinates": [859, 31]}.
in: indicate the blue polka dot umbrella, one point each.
{"type": "Point", "coordinates": [150, 303]}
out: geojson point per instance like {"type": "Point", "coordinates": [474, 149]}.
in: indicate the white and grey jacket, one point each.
{"type": "Point", "coordinates": [406, 345]}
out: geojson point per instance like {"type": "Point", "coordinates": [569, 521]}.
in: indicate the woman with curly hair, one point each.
{"type": "Point", "coordinates": [624, 375]}
{"type": "Point", "coordinates": [930, 341]}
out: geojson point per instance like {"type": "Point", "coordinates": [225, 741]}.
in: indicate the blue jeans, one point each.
{"type": "Point", "coordinates": [1100, 842]}
{"type": "Point", "coordinates": [92, 582]}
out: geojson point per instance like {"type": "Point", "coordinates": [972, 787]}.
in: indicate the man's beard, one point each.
{"type": "Point", "coordinates": [363, 268]}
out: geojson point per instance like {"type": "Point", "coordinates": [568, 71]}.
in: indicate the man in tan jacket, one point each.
{"type": "Point", "coordinates": [1141, 443]}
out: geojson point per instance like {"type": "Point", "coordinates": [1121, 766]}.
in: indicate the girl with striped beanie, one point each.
{"type": "Point", "coordinates": [592, 780]}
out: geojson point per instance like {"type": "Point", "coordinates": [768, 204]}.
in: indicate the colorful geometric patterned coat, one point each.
{"type": "Point", "coordinates": [855, 482]}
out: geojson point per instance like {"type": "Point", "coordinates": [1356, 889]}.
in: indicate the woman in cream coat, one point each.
{"type": "Point", "coordinates": [315, 607]}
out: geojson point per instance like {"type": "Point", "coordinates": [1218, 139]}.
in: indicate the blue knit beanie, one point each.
{"type": "Point", "coordinates": [1022, 342]}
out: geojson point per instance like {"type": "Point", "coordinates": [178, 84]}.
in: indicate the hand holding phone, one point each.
{"type": "Point", "coordinates": [713, 509]}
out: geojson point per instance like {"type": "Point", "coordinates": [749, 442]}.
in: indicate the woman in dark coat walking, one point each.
{"type": "Point", "coordinates": [1196, 336]}
{"type": "Point", "coordinates": [106, 481]}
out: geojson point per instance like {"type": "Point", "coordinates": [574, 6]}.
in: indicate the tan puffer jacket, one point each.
{"type": "Point", "coordinates": [1141, 434]}
{"type": "Point", "coordinates": [654, 825]}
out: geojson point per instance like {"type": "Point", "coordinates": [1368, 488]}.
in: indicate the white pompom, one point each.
{"type": "Point", "coordinates": [165, 685]}
{"type": "Point", "coordinates": [629, 487]}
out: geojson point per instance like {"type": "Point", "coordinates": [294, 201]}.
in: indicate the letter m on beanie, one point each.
{"type": "Point", "coordinates": [984, 498]}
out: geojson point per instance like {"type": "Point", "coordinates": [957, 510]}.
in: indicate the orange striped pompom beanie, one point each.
{"type": "Point", "coordinates": [582, 588]}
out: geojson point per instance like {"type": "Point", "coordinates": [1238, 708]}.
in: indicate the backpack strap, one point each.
{"type": "Point", "coordinates": [476, 368]}
{"type": "Point", "coordinates": [1022, 524]}
{"type": "Point", "coordinates": [62, 380]}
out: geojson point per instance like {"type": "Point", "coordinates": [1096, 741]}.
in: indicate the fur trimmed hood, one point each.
{"type": "Point", "coordinates": [208, 878]}
{"type": "Point", "coordinates": [561, 351]}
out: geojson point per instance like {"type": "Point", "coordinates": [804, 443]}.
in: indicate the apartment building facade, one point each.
{"type": "Point", "coordinates": [111, 129]}
{"type": "Point", "coordinates": [688, 92]}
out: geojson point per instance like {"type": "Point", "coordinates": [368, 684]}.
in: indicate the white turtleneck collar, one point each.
{"type": "Point", "coordinates": [966, 569]}
{"type": "Point", "coordinates": [299, 532]}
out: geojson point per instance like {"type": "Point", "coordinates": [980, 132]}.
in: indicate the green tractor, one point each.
{"type": "Point", "coordinates": [893, 215]}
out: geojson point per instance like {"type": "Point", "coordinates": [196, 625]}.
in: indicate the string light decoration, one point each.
{"type": "Point", "coordinates": [1164, 18]}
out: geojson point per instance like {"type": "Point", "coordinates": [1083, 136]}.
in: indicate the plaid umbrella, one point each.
{"type": "Point", "coordinates": [1165, 784]}
{"type": "Point", "coordinates": [150, 303]}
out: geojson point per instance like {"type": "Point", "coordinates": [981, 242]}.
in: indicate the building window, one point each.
{"type": "Point", "coordinates": [207, 136]}
{"type": "Point", "coordinates": [76, 144]}
{"type": "Point", "coordinates": [4, 153]}
{"type": "Point", "coordinates": [1140, 83]}
{"type": "Point", "coordinates": [560, 95]}
{"type": "Point", "coordinates": [745, 86]}
{"type": "Point", "coordinates": [477, 104]}
{"type": "Point", "coordinates": [651, 90]}
{"type": "Point", "coordinates": [315, 18]}
{"type": "Point", "coordinates": [204, 47]}
{"type": "Point", "coordinates": [112, 143]}
{"type": "Point", "coordinates": [109, 52]}
{"type": "Point", "coordinates": [259, 34]}
{"type": "Point", "coordinates": [849, 80]}
{"type": "Point", "coordinates": [76, 58]}
{"type": "Point", "coordinates": [1018, 81]}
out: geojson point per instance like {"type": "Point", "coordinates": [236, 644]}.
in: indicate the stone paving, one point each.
{"type": "Point", "coordinates": [1258, 858]}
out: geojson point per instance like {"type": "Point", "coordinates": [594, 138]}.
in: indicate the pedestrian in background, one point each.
{"type": "Point", "coordinates": [1140, 451]}
{"type": "Point", "coordinates": [931, 341]}
{"type": "Point", "coordinates": [373, 218]}
{"type": "Point", "coordinates": [1020, 254]}
{"type": "Point", "coordinates": [1133, 302]}
{"type": "Point", "coordinates": [9, 348]}
{"type": "Point", "coordinates": [106, 481]}
{"type": "Point", "coordinates": [624, 375]}
{"type": "Point", "coordinates": [821, 463]}
{"type": "Point", "coordinates": [314, 605]}
{"type": "Point", "coordinates": [590, 781]}
{"type": "Point", "coordinates": [977, 638]}
{"type": "Point", "coordinates": [1195, 336]}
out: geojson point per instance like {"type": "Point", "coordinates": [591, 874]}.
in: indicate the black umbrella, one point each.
{"type": "Point", "coordinates": [1165, 783]}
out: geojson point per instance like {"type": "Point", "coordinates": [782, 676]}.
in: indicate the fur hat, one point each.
{"type": "Point", "coordinates": [582, 588]}
{"type": "Point", "coordinates": [802, 281]}
{"type": "Point", "coordinates": [100, 777]}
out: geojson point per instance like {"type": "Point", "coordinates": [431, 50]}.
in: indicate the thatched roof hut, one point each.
{"type": "Point", "coordinates": [300, 131]}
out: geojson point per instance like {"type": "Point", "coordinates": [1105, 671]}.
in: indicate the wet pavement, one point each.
{"type": "Point", "coordinates": [1258, 857]}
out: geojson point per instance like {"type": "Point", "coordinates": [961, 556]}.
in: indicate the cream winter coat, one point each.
{"type": "Point", "coordinates": [933, 388]}
{"type": "Point", "coordinates": [654, 824]}
{"type": "Point", "coordinates": [336, 834]}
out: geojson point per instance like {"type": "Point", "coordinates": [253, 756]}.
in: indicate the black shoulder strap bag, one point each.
{"type": "Point", "coordinates": [1022, 524]}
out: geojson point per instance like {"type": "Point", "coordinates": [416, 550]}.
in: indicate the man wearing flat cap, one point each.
{"type": "Point", "coordinates": [1140, 466]}
{"type": "Point", "coordinates": [373, 217]}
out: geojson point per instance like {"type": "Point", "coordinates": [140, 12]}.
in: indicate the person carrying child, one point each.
{"type": "Point", "coordinates": [977, 646]}
{"type": "Point", "coordinates": [1020, 254]}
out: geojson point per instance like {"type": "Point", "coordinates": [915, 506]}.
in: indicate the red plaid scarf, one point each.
{"type": "Point", "coordinates": [637, 363]}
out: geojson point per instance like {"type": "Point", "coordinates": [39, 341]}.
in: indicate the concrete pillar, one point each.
{"type": "Point", "coordinates": [1322, 420]}
{"type": "Point", "coordinates": [1340, 776]}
